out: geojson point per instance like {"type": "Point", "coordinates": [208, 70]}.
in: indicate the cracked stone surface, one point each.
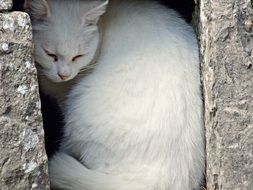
{"type": "Point", "coordinates": [23, 161]}
{"type": "Point", "coordinates": [226, 42]}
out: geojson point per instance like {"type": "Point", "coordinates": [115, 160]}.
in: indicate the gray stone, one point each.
{"type": "Point", "coordinates": [226, 43]}
{"type": "Point", "coordinates": [23, 161]}
{"type": "Point", "coordinates": [5, 5]}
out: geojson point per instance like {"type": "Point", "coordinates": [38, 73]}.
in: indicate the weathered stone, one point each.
{"type": "Point", "coordinates": [23, 161]}
{"type": "Point", "coordinates": [226, 52]}
{"type": "Point", "coordinates": [5, 5]}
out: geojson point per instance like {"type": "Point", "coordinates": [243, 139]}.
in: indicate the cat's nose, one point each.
{"type": "Point", "coordinates": [63, 77]}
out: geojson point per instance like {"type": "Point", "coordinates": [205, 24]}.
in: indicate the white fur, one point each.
{"type": "Point", "coordinates": [74, 33]}
{"type": "Point", "coordinates": [136, 122]}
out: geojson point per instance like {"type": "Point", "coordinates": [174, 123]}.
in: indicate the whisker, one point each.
{"type": "Point", "coordinates": [88, 68]}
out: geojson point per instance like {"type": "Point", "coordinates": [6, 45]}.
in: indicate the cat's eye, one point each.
{"type": "Point", "coordinates": [52, 55]}
{"type": "Point", "coordinates": [77, 57]}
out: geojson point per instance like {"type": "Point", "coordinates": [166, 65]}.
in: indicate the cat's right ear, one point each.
{"type": "Point", "coordinates": [92, 16]}
{"type": "Point", "coordinates": [37, 9]}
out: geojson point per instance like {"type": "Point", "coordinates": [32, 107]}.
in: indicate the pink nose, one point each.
{"type": "Point", "coordinates": [63, 77]}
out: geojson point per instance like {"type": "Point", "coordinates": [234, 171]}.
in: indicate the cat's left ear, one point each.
{"type": "Point", "coordinates": [37, 9]}
{"type": "Point", "coordinates": [92, 16]}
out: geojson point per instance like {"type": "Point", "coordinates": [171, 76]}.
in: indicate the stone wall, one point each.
{"type": "Point", "coordinates": [226, 46]}
{"type": "Point", "coordinates": [23, 162]}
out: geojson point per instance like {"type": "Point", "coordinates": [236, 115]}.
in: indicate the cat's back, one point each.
{"type": "Point", "coordinates": [140, 10]}
{"type": "Point", "coordinates": [140, 27]}
{"type": "Point", "coordinates": [145, 17]}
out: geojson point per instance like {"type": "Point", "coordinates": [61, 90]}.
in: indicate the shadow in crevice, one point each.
{"type": "Point", "coordinates": [53, 123]}
{"type": "Point", "coordinates": [18, 5]}
{"type": "Point", "coordinates": [184, 7]}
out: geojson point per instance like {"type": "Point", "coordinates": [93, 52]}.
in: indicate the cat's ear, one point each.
{"type": "Point", "coordinates": [92, 16]}
{"type": "Point", "coordinates": [37, 9]}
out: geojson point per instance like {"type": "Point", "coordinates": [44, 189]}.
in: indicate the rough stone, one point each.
{"type": "Point", "coordinates": [23, 161]}
{"type": "Point", "coordinates": [5, 5]}
{"type": "Point", "coordinates": [226, 44]}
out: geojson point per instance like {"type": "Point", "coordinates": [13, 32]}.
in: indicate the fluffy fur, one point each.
{"type": "Point", "coordinates": [135, 123]}
{"type": "Point", "coordinates": [65, 44]}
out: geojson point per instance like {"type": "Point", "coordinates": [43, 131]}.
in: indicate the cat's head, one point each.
{"type": "Point", "coordinates": [66, 35]}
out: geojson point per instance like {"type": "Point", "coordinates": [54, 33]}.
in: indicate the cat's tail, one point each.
{"type": "Point", "coordinates": [69, 174]}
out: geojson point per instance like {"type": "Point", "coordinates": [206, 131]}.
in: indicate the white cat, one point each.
{"type": "Point", "coordinates": [135, 123]}
{"type": "Point", "coordinates": [64, 45]}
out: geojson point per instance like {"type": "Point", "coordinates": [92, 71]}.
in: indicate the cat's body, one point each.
{"type": "Point", "coordinates": [136, 123]}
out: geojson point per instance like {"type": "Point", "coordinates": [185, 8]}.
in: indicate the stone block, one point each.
{"type": "Point", "coordinates": [226, 46]}
{"type": "Point", "coordinates": [23, 161]}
